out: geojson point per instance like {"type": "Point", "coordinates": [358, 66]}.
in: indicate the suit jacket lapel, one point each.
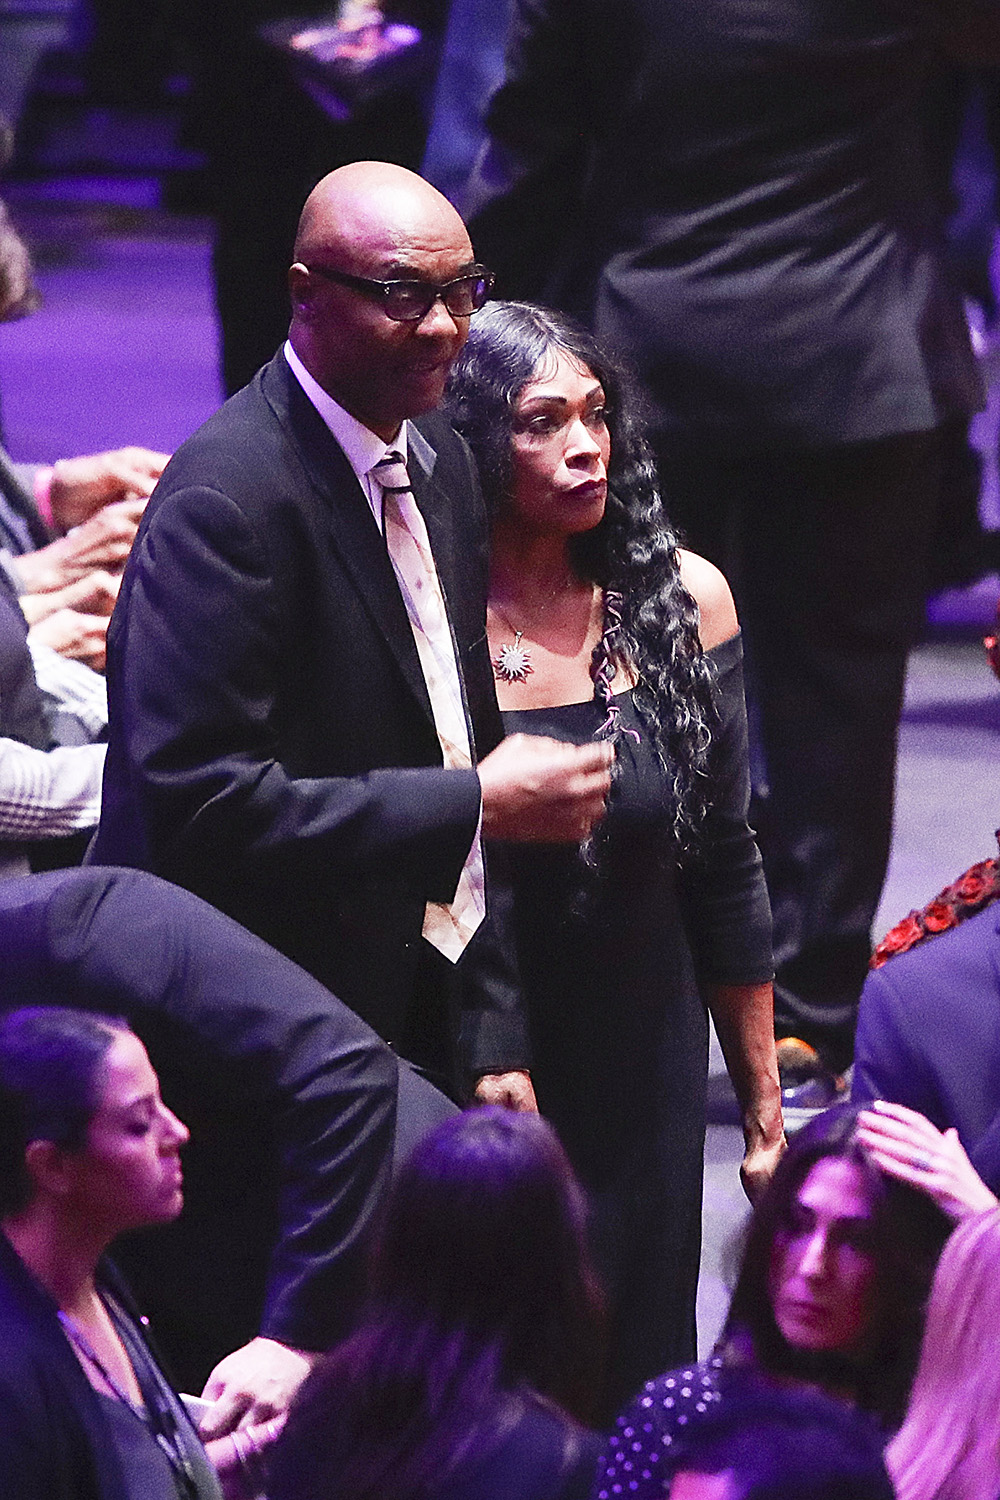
{"type": "Point", "coordinates": [346, 516]}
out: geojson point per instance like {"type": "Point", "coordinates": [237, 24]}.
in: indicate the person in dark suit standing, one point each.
{"type": "Point", "coordinates": [734, 193]}
{"type": "Point", "coordinates": [299, 692]}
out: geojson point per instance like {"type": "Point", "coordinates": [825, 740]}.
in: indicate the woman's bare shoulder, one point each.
{"type": "Point", "coordinates": [713, 596]}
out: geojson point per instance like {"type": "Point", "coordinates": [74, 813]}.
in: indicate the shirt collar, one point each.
{"type": "Point", "coordinates": [362, 447]}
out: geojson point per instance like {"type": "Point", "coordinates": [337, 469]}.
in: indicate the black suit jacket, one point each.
{"type": "Point", "coordinates": [929, 1036]}
{"type": "Point", "coordinates": [271, 744]}
{"type": "Point", "coordinates": [734, 192]}
{"type": "Point", "coordinates": [290, 1099]}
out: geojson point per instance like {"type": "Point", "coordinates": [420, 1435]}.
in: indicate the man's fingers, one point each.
{"type": "Point", "coordinates": [594, 757]}
{"type": "Point", "coordinates": [544, 790]}
{"type": "Point", "coordinates": [231, 1405]}
{"type": "Point", "coordinates": [512, 1090]}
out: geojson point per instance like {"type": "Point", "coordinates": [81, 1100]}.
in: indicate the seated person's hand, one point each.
{"type": "Point", "coordinates": [904, 1144]}
{"type": "Point", "coordinates": [101, 542]}
{"type": "Point", "coordinates": [81, 637]}
{"type": "Point", "coordinates": [81, 486]}
{"type": "Point", "coordinates": [253, 1384]}
{"type": "Point", "coordinates": [93, 595]}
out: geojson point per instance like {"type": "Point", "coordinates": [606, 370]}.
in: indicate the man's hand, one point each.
{"type": "Point", "coordinates": [80, 637]}
{"type": "Point", "coordinates": [253, 1384]}
{"type": "Point", "coordinates": [93, 595]}
{"type": "Point", "coordinates": [81, 486]}
{"type": "Point", "coordinates": [537, 790]}
{"type": "Point", "coordinates": [101, 542]}
{"type": "Point", "coordinates": [512, 1090]}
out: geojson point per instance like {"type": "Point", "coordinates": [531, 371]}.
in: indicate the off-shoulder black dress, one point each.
{"type": "Point", "coordinates": [613, 961]}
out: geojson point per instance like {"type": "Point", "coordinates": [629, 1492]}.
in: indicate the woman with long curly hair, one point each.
{"type": "Point", "coordinates": [601, 626]}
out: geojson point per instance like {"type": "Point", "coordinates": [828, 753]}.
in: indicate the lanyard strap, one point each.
{"type": "Point", "coordinates": [156, 1416]}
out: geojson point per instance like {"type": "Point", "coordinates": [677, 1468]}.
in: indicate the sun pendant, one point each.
{"type": "Point", "coordinates": [513, 663]}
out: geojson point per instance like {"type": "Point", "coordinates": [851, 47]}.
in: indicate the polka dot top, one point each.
{"type": "Point", "coordinates": [636, 1460]}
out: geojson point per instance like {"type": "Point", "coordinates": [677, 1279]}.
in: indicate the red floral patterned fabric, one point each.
{"type": "Point", "coordinates": [963, 898]}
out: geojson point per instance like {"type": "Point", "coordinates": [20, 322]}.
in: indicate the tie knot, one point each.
{"type": "Point", "coordinates": [391, 474]}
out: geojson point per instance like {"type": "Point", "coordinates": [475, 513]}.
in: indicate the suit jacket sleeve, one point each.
{"type": "Point", "coordinates": [890, 1061]}
{"type": "Point", "coordinates": [233, 1025]}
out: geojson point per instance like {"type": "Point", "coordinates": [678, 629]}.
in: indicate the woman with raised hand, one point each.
{"type": "Point", "coordinates": [473, 1365]}
{"type": "Point", "coordinates": [600, 626]}
{"type": "Point", "coordinates": [832, 1286]}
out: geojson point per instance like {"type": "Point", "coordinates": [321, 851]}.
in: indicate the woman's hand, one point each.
{"type": "Point", "coordinates": [81, 486]}
{"type": "Point", "coordinates": [101, 542]}
{"type": "Point", "coordinates": [905, 1145]}
{"type": "Point", "coordinates": [240, 1458]}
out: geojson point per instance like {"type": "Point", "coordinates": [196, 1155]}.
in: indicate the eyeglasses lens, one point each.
{"type": "Point", "coordinates": [409, 300]}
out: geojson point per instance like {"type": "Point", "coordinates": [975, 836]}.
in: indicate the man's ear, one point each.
{"type": "Point", "coordinates": [300, 289]}
{"type": "Point", "coordinates": [49, 1167]}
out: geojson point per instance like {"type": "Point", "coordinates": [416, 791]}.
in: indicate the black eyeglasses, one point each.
{"type": "Point", "coordinates": [409, 301]}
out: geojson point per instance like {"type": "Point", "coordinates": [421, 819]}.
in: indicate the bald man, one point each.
{"type": "Point", "coordinates": [275, 745]}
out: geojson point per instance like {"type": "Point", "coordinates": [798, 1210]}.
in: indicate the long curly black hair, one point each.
{"type": "Point", "coordinates": [650, 619]}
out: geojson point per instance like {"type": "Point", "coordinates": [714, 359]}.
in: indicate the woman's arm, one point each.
{"type": "Point", "coordinates": [743, 1013]}
{"type": "Point", "coordinates": [744, 1022]}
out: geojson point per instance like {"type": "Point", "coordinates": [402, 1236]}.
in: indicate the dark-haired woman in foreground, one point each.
{"type": "Point", "coordinates": [600, 626]}
{"type": "Point", "coordinates": [831, 1294]}
{"type": "Point", "coordinates": [87, 1150]}
{"type": "Point", "coordinates": [475, 1357]}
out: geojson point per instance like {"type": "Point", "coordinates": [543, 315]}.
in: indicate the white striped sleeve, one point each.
{"type": "Point", "coordinates": [46, 793]}
{"type": "Point", "coordinates": [74, 687]}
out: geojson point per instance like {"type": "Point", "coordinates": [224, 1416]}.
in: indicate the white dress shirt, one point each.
{"type": "Point", "coordinates": [363, 448]}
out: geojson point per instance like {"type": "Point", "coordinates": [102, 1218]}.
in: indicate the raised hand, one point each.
{"type": "Point", "coordinates": [905, 1145]}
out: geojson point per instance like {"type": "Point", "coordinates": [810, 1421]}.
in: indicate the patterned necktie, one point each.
{"type": "Point", "coordinates": [449, 927]}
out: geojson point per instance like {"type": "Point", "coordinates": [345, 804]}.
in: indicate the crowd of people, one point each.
{"type": "Point", "coordinates": [412, 738]}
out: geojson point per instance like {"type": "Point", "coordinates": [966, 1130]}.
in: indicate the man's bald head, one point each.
{"type": "Point", "coordinates": [366, 203]}
{"type": "Point", "coordinates": [383, 223]}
